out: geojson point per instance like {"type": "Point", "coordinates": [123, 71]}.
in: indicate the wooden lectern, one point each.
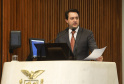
{"type": "Point", "coordinates": [59, 72]}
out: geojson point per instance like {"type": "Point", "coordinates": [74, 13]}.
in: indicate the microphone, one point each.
{"type": "Point", "coordinates": [58, 36]}
{"type": "Point", "coordinates": [73, 29]}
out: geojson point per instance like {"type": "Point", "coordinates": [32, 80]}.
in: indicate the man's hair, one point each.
{"type": "Point", "coordinates": [71, 10]}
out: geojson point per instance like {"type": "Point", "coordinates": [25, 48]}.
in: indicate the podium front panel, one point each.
{"type": "Point", "coordinates": [61, 72]}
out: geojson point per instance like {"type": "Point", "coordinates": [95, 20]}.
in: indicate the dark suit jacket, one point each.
{"type": "Point", "coordinates": [84, 42]}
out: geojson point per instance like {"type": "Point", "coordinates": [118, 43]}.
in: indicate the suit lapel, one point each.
{"type": "Point", "coordinates": [67, 38]}
{"type": "Point", "coordinates": [78, 37]}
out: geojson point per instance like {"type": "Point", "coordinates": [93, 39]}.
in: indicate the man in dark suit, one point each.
{"type": "Point", "coordinates": [79, 40]}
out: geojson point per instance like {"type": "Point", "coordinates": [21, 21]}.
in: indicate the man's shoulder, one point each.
{"type": "Point", "coordinates": [63, 31]}
{"type": "Point", "coordinates": [85, 30]}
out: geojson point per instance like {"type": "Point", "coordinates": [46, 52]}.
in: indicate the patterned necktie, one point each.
{"type": "Point", "coordinates": [72, 41]}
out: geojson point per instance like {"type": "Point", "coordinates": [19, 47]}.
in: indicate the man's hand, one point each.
{"type": "Point", "coordinates": [99, 58]}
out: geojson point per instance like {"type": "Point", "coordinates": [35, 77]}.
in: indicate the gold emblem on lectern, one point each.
{"type": "Point", "coordinates": [31, 76]}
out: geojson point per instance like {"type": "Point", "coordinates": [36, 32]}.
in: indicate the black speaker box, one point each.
{"type": "Point", "coordinates": [15, 39]}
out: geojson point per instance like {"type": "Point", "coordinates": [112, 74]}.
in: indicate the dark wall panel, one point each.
{"type": "Point", "coordinates": [0, 38]}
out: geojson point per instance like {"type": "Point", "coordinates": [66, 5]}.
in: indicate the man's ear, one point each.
{"type": "Point", "coordinates": [66, 20]}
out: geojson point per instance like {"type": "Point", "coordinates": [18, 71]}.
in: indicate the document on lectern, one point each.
{"type": "Point", "coordinates": [95, 54]}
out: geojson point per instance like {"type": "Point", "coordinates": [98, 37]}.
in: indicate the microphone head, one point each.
{"type": "Point", "coordinates": [73, 29]}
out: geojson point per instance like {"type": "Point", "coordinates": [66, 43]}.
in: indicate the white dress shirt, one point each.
{"type": "Point", "coordinates": [75, 34]}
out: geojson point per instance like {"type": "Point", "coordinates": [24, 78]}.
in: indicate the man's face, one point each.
{"type": "Point", "coordinates": [73, 20]}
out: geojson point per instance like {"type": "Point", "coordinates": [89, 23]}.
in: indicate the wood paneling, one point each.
{"type": "Point", "coordinates": [0, 39]}
{"type": "Point", "coordinates": [45, 18]}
